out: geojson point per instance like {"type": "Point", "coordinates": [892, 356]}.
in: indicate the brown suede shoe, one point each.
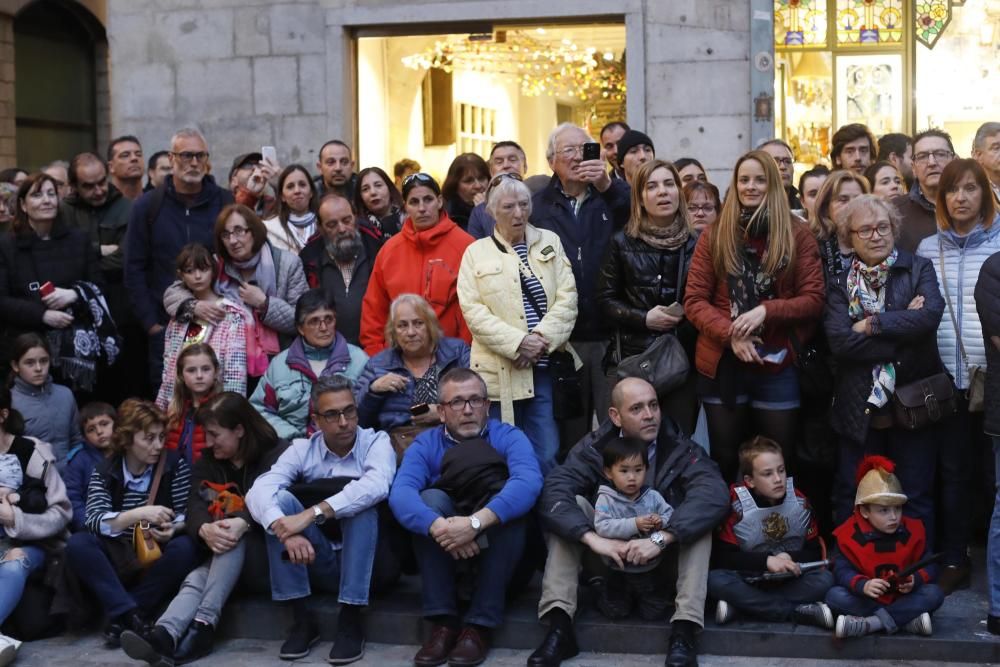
{"type": "Point", "coordinates": [437, 647]}
{"type": "Point", "coordinates": [470, 649]}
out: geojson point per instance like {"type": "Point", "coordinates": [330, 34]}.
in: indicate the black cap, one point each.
{"type": "Point", "coordinates": [245, 160]}
{"type": "Point", "coordinates": [631, 139]}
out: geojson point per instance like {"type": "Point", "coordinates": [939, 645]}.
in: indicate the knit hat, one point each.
{"type": "Point", "coordinates": [877, 483]}
{"type": "Point", "coordinates": [630, 140]}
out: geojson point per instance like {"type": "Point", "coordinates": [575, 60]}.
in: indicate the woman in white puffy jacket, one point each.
{"type": "Point", "coordinates": [518, 297]}
{"type": "Point", "coordinates": [968, 233]}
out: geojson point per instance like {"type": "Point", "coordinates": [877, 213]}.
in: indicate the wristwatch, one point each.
{"type": "Point", "coordinates": [318, 517]}
{"type": "Point", "coordinates": [476, 523]}
{"type": "Point", "coordinates": [657, 539]}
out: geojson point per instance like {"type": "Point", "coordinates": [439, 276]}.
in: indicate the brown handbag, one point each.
{"type": "Point", "coordinates": [147, 549]}
{"type": "Point", "coordinates": [924, 402]}
{"type": "Point", "coordinates": [402, 437]}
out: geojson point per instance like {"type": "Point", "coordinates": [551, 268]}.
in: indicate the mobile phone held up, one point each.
{"type": "Point", "coordinates": [269, 154]}
{"type": "Point", "coordinates": [591, 151]}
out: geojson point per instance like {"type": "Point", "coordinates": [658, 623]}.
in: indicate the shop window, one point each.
{"type": "Point", "coordinates": [476, 129]}
{"type": "Point", "coordinates": [800, 22]}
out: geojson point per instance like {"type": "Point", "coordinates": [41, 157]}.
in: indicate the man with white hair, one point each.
{"type": "Point", "coordinates": [163, 221]}
{"type": "Point", "coordinates": [584, 206]}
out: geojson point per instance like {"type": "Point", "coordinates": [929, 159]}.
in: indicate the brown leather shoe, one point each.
{"type": "Point", "coordinates": [437, 647]}
{"type": "Point", "coordinates": [953, 577]}
{"type": "Point", "coordinates": [470, 649]}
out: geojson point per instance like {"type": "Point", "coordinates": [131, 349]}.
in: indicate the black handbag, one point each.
{"type": "Point", "coordinates": [924, 402]}
{"type": "Point", "coordinates": [664, 364]}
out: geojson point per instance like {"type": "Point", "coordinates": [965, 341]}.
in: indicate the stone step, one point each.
{"type": "Point", "coordinates": [959, 630]}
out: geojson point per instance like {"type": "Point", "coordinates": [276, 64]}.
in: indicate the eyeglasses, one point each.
{"type": "Point", "coordinates": [784, 161]}
{"type": "Point", "coordinates": [237, 233]}
{"type": "Point", "coordinates": [188, 156]}
{"type": "Point", "coordinates": [333, 416]}
{"type": "Point", "coordinates": [317, 322]}
{"type": "Point", "coordinates": [420, 177]}
{"type": "Point", "coordinates": [868, 233]}
{"type": "Point", "coordinates": [569, 152]}
{"type": "Point", "coordinates": [458, 404]}
{"type": "Point", "coordinates": [939, 156]}
{"type": "Point", "coordinates": [706, 208]}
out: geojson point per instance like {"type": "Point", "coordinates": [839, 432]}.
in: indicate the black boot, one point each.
{"type": "Point", "coordinates": [303, 635]}
{"type": "Point", "coordinates": [155, 647]}
{"type": "Point", "coordinates": [131, 620]}
{"type": "Point", "coordinates": [683, 651]}
{"type": "Point", "coordinates": [349, 643]}
{"type": "Point", "coordinates": [196, 643]}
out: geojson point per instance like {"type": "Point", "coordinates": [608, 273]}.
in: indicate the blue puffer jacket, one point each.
{"type": "Point", "coordinates": [964, 256]}
{"type": "Point", "coordinates": [80, 464]}
{"type": "Point", "coordinates": [387, 410]}
{"type": "Point", "coordinates": [585, 237]}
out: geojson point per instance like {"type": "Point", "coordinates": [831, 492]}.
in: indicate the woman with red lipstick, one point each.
{"type": "Point", "coordinates": [296, 221]}
{"type": "Point", "coordinates": [755, 279]}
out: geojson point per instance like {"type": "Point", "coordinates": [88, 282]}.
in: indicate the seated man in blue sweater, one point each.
{"type": "Point", "coordinates": [463, 489]}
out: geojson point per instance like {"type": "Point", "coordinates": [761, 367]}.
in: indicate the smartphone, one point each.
{"type": "Point", "coordinates": [420, 409]}
{"type": "Point", "coordinates": [47, 288]}
{"type": "Point", "coordinates": [591, 151]}
{"type": "Point", "coordinates": [675, 310]}
{"type": "Point", "coordinates": [269, 154]}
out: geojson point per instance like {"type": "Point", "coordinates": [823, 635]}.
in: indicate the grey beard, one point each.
{"type": "Point", "coordinates": [345, 249]}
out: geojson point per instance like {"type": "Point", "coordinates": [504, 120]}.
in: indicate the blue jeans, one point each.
{"type": "Point", "coordinates": [773, 603]}
{"type": "Point", "coordinates": [534, 417]}
{"type": "Point", "coordinates": [13, 575]}
{"type": "Point", "coordinates": [87, 555]}
{"type": "Point", "coordinates": [347, 571]}
{"type": "Point", "coordinates": [927, 598]}
{"type": "Point", "coordinates": [993, 543]}
{"type": "Point", "coordinates": [496, 562]}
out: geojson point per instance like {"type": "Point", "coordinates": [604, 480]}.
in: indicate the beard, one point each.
{"type": "Point", "coordinates": [344, 248]}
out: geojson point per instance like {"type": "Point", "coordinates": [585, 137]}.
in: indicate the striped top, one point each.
{"type": "Point", "coordinates": [100, 507]}
{"type": "Point", "coordinates": [529, 283]}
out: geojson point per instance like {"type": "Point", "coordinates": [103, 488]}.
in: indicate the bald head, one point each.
{"type": "Point", "coordinates": [635, 409]}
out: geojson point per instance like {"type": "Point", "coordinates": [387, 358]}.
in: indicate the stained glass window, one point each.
{"type": "Point", "coordinates": [869, 22]}
{"type": "Point", "coordinates": [800, 22]}
{"type": "Point", "coordinates": [931, 17]}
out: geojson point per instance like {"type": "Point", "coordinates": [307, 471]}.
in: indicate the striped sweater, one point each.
{"type": "Point", "coordinates": [108, 495]}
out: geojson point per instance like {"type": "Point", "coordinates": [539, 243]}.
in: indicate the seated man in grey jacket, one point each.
{"type": "Point", "coordinates": [681, 472]}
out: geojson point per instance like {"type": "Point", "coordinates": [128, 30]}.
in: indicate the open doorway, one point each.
{"type": "Point", "coordinates": [430, 98]}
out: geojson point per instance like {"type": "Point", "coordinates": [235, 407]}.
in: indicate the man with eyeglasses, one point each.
{"type": "Point", "coordinates": [162, 221]}
{"type": "Point", "coordinates": [785, 158]}
{"type": "Point", "coordinates": [463, 490]}
{"type": "Point", "coordinates": [318, 504]}
{"type": "Point", "coordinates": [986, 151]}
{"type": "Point", "coordinates": [506, 157]}
{"type": "Point", "coordinates": [585, 207]}
{"type": "Point", "coordinates": [932, 151]}
{"type": "Point", "coordinates": [684, 475]}
{"type": "Point", "coordinates": [853, 147]}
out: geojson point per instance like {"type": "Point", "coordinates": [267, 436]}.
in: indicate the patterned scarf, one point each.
{"type": "Point", "coordinates": [669, 237]}
{"type": "Point", "coordinates": [90, 343]}
{"type": "Point", "coordinates": [865, 298]}
{"type": "Point", "coordinates": [752, 284]}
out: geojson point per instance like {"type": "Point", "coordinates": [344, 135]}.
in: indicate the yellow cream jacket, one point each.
{"type": "Point", "coordinates": [489, 291]}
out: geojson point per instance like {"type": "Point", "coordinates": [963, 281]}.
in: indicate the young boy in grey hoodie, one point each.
{"type": "Point", "coordinates": [630, 510]}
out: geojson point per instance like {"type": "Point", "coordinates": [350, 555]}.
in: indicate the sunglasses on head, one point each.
{"type": "Point", "coordinates": [499, 178]}
{"type": "Point", "coordinates": [419, 177]}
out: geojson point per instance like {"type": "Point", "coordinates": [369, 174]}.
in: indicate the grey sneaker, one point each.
{"type": "Point", "coordinates": [852, 626]}
{"type": "Point", "coordinates": [815, 613]}
{"type": "Point", "coordinates": [921, 625]}
{"type": "Point", "coordinates": [724, 612]}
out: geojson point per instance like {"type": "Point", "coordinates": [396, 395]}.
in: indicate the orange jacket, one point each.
{"type": "Point", "coordinates": [416, 262]}
{"type": "Point", "coordinates": [800, 297]}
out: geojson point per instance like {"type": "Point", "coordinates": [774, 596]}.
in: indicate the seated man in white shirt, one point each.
{"type": "Point", "coordinates": [325, 541]}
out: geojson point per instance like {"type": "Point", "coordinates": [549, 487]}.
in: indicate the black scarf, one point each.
{"type": "Point", "coordinates": [90, 342]}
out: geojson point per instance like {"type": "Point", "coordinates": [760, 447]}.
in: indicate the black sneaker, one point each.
{"type": "Point", "coordinates": [116, 626]}
{"type": "Point", "coordinates": [155, 647]}
{"type": "Point", "coordinates": [302, 637]}
{"type": "Point", "coordinates": [349, 642]}
{"type": "Point", "coordinates": [196, 643]}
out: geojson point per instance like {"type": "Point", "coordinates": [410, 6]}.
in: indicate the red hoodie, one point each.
{"type": "Point", "coordinates": [417, 262]}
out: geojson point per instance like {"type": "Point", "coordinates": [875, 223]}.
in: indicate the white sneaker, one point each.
{"type": "Point", "coordinates": [921, 625]}
{"type": "Point", "coordinates": [724, 612]}
{"type": "Point", "coordinates": [851, 626]}
{"type": "Point", "coordinates": [8, 650]}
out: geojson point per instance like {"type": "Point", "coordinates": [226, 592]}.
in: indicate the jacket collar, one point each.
{"type": "Point", "coordinates": [431, 236]}
{"type": "Point", "coordinates": [916, 195]}
{"type": "Point", "coordinates": [340, 357]}
{"type": "Point", "coordinates": [75, 201]}
{"type": "Point", "coordinates": [977, 237]}
{"type": "Point", "coordinates": [209, 190]}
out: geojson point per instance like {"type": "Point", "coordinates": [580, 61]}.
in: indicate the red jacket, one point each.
{"type": "Point", "coordinates": [173, 437]}
{"type": "Point", "coordinates": [424, 263]}
{"type": "Point", "coordinates": [800, 297]}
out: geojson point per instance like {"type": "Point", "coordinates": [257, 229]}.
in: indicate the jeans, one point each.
{"type": "Point", "coordinates": [993, 543]}
{"type": "Point", "coordinates": [87, 555]}
{"type": "Point", "coordinates": [347, 571]}
{"type": "Point", "coordinates": [776, 602]}
{"type": "Point", "coordinates": [904, 609]}
{"type": "Point", "coordinates": [534, 417]}
{"type": "Point", "coordinates": [204, 592]}
{"type": "Point", "coordinates": [14, 573]}
{"type": "Point", "coordinates": [496, 562]}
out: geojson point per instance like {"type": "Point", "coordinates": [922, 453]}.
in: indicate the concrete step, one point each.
{"type": "Point", "coordinates": [959, 629]}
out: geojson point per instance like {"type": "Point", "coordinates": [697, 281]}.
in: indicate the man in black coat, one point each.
{"type": "Point", "coordinates": [340, 260]}
{"type": "Point", "coordinates": [684, 475]}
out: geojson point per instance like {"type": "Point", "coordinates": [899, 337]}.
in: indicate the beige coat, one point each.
{"type": "Point", "coordinates": [489, 291]}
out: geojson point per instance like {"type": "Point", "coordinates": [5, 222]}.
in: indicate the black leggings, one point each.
{"type": "Point", "coordinates": [729, 428]}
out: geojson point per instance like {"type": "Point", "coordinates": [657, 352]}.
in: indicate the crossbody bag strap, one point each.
{"type": "Point", "coordinates": [951, 311]}
{"type": "Point", "coordinates": [154, 488]}
{"type": "Point", "coordinates": [522, 269]}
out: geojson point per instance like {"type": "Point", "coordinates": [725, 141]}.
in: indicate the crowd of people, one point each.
{"type": "Point", "coordinates": [285, 384]}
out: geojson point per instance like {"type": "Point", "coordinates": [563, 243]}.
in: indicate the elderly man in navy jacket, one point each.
{"type": "Point", "coordinates": [427, 503]}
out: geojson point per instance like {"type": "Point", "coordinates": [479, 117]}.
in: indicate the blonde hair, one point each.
{"type": "Point", "coordinates": [423, 309]}
{"type": "Point", "coordinates": [182, 395]}
{"type": "Point", "coordinates": [727, 236]}
{"type": "Point", "coordinates": [639, 180]}
{"type": "Point", "coordinates": [820, 222]}
{"type": "Point", "coordinates": [134, 416]}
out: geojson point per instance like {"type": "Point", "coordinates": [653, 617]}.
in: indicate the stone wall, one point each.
{"type": "Point", "coordinates": [8, 144]}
